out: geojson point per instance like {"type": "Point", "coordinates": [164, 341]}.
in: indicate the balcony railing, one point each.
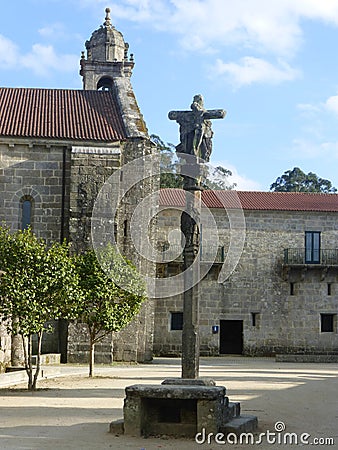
{"type": "Point", "coordinates": [208, 254]}
{"type": "Point", "coordinates": [301, 256]}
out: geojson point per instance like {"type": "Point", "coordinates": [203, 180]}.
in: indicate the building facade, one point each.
{"type": "Point", "coordinates": [282, 296]}
{"type": "Point", "coordinates": [57, 149]}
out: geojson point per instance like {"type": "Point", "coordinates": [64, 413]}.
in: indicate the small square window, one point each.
{"type": "Point", "coordinates": [327, 323]}
{"type": "Point", "coordinates": [176, 321]}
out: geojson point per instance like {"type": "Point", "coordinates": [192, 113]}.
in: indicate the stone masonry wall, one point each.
{"type": "Point", "coordinates": [34, 172]}
{"type": "Point", "coordinates": [39, 173]}
{"type": "Point", "coordinates": [78, 346]}
{"type": "Point", "coordinates": [89, 170]}
{"type": "Point", "coordinates": [284, 323]}
{"type": "Point", "coordinates": [135, 341]}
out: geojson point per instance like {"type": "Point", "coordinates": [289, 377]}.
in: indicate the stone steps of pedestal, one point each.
{"type": "Point", "coordinates": [241, 424]}
{"type": "Point", "coordinates": [232, 410]}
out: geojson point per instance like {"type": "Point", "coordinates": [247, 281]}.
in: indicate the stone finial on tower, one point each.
{"type": "Point", "coordinates": [107, 57]}
{"type": "Point", "coordinates": [107, 23]}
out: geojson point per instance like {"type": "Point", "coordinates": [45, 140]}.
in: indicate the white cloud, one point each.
{"type": "Point", "coordinates": [260, 25]}
{"type": "Point", "coordinates": [54, 31]}
{"type": "Point", "coordinates": [311, 111]}
{"type": "Point", "coordinates": [40, 59]}
{"type": "Point", "coordinates": [331, 104]}
{"type": "Point", "coordinates": [8, 52]}
{"type": "Point", "coordinates": [268, 29]}
{"type": "Point", "coordinates": [311, 149]}
{"type": "Point", "coordinates": [243, 183]}
{"type": "Point", "coordinates": [318, 139]}
{"type": "Point", "coordinates": [308, 109]}
{"type": "Point", "coordinates": [313, 9]}
{"type": "Point", "coordinates": [250, 70]}
{"type": "Point", "coordinates": [273, 26]}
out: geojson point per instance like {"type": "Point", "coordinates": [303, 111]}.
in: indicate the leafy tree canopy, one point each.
{"type": "Point", "coordinates": [107, 305]}
{"type": "Point", "coordinates": [296, 180]}
{"type": "Point", "coordinates": [168, 164]}
{"type": "Point", "coordinates": [38, 284]}
{"type": "Point", "coordinates": [216, 178]}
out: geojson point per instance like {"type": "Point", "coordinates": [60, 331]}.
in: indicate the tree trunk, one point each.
{"type": "Point", "coordinates": [38, 361]}
{"type": "Point", "coordinates": [28, 359]}
{"type": "Point", "coordinates": [17, 350]}
{"type": "Point", "coordinates": [91, 354]}
{"type": "Point", "coordinates": [28, 350]}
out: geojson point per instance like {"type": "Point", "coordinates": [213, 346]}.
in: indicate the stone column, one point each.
{"type": "Point", "coordinates": [190, 224]}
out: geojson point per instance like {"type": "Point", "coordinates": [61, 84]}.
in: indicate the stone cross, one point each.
{"type": "Point", "coordinates": [195, 128]}
{"type": "Point", "coordinates": [196, 141]}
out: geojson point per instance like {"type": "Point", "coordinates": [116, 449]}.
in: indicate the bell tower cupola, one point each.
{"type": "Point", "coordinates": [106, 59]}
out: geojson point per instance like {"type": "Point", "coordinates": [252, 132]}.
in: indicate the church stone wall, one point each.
{"type": "Point", "coordinates": [90, 168]}
{"type": "Point", "coordinates": [283, 323]}
{"type": "Point", "coordinates": [135, 342]}
{"type": "Point", "coordinates": [37, 173]}
{"type": "Point", "coordinates": [78, 346]}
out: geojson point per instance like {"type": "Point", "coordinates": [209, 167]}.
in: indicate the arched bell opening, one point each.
{"type": "Point", "coordinates": [105, 84]}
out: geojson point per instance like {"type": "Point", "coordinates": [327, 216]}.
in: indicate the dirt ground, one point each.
{"type": "Point", "coordinates": [74, 412]}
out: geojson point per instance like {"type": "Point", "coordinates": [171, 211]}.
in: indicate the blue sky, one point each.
{"type": "Point", "coordinates": [272, 65]}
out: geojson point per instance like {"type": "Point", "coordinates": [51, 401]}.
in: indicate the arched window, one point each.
{"type": "Point", "coordinates": [26, 214]}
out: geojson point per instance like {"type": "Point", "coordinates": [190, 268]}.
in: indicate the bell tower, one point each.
{"type": "Point", "coordinates": [106, 59]}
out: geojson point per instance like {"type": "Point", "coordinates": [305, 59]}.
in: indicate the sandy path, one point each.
{"type": "Point", "coordinates": [74, 412]}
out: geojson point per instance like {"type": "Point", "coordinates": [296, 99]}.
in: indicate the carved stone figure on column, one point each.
{"type": "Point", "coordinates": [195, 128]}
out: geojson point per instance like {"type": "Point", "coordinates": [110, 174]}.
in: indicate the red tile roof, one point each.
{"type": "Point", "coordinates": [261, 201]}
{"type": "Point", "coordinates": [60, 114]}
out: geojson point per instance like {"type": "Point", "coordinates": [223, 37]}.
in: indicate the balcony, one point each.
{"type": "Point", "coordinates": [209, 255]}
{"type": "Point", "coordinates": [299, 256]}
{"type": "Point", "coordinates": [303, 259]}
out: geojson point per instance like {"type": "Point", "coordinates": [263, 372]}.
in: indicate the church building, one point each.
{"type": "Point", "coordinates": [57, 148]}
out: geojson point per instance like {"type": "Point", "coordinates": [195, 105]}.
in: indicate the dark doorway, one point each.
{"type": "Point", "coordinates": [231, 337]}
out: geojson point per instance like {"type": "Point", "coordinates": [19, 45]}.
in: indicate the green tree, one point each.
{"type": "Point", "coordinates": [216, 178]}
{"type": "Point", "coordinates": [169, 177]}
{"type": "Point", "coordinates": [296, 180]}
{"type": "Point", "coordinates": [108, 303]}
{"type": "Point", "coordinates": [38, 284]}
